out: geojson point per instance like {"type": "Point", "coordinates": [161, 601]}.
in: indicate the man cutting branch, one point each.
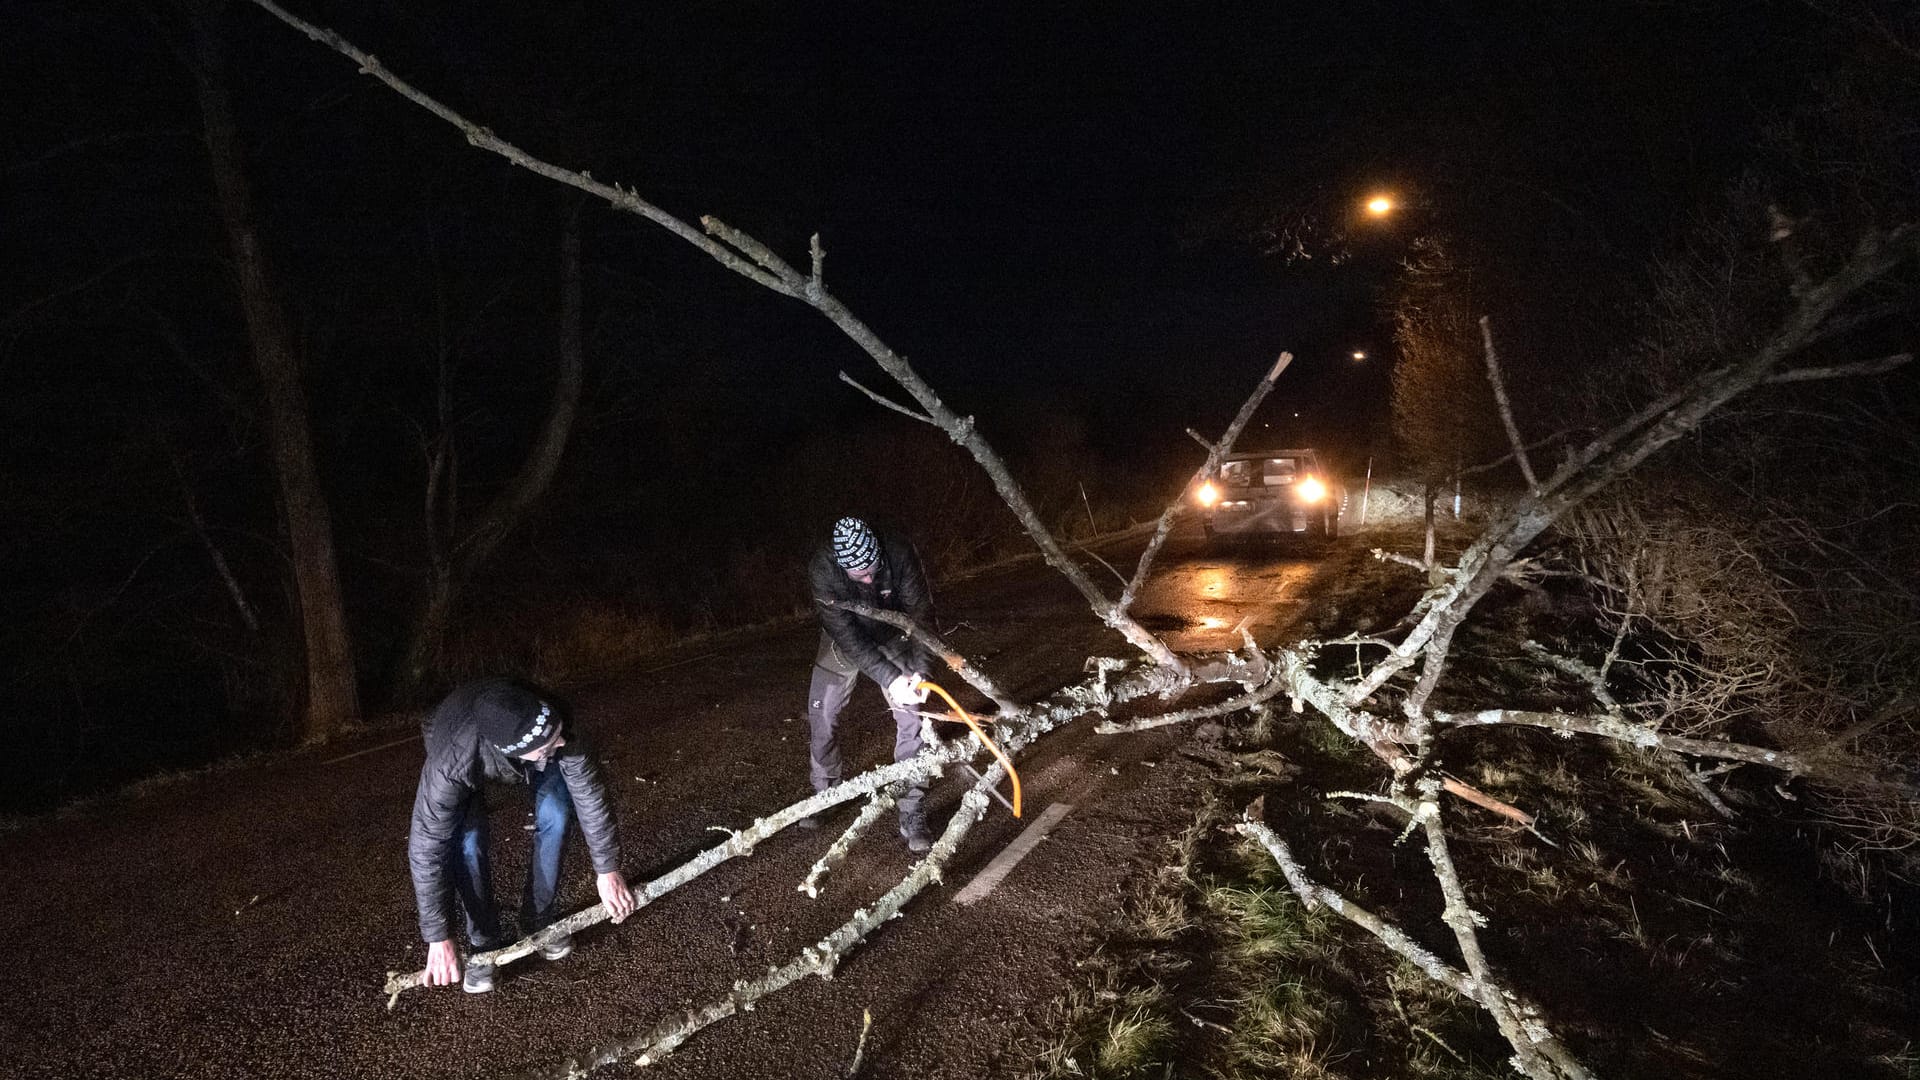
{"type": "Point", "coordinates": [882, 571]}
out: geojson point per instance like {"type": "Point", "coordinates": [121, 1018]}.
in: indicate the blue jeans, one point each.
{"type": "Point", "coordinates": [473, 875]}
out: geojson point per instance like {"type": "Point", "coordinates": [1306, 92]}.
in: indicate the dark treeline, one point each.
{"type": "Point", "coordinates": [1087, 234]}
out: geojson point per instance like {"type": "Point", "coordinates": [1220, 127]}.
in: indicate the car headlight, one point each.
{"type": "Point", "coordinates": [1311, 490]}
{"type": "Point", "coordinates": [1208, 494]}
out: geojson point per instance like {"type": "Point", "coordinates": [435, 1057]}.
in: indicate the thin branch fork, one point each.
{"type": "Point", "coordinates": [882, 801]}
{"type": "Point", "coordinates": [1517, 1019]}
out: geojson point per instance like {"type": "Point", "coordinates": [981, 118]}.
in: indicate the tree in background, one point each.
{"type": "Point", "coordinates": [332, 695]}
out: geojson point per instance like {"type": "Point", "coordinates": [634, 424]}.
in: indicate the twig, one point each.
{"type": "Point", "coordinates": [881, 802]}
{"type": "Point", "coordinates": [889, 403]}
{"type": "Point", "coordinates": [1404, 560]}
{"type": "Point", "coordinates": [860, 1048]}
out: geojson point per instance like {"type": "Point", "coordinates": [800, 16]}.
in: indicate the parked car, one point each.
{"type": "Point", "coordinates": [1272, 493]}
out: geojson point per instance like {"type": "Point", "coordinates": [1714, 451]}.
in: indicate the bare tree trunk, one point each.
{"type": "Point", "coordinates": [332, 698]}
{"type": "Point", "coordinates": [451, 567]}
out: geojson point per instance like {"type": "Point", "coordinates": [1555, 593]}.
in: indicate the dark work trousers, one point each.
{"type": "Point", "coordinates": [826, 697]}
{"type": "Point", "coordinates": [473, 874]}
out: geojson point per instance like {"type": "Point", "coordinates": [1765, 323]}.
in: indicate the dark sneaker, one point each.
{"type": "Point", "coordinates": [914, 832]}
{"type": "Point", "coordinates": [479, 977]}
{"type": "Point", "coordinates": [558, 949]}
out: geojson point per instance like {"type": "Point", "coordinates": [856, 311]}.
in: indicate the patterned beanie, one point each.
{"type": "Point", "coordinates": [514, 720]}
{"type": "Point", "coordinates": [854, 545]}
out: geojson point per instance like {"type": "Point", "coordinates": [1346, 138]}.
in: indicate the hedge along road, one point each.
{"type": "Point", "coordinates": [240, 923]}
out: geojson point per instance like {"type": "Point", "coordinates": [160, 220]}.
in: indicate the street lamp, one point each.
{"type": "Point", "coordinates": [1380, 206]}
{"type": "Point", "coordinates": [1359, 354]}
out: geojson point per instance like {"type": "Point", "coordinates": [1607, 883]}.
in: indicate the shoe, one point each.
{"type": "Point", "coordinates": [479, 977]}
{"type": "Point", "coordinates": [558, 949]}
{"type": "Point", "coordinates": [915, 834]}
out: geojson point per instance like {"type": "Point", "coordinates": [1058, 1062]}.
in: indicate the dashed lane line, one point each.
{"type": "Point", "coordinates": [1010, 856]}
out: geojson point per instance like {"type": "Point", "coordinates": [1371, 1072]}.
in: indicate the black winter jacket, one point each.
{"type": "Point", "coordinates": [459, 761]}
{"type": "Point", "coordinates": [883, 652]}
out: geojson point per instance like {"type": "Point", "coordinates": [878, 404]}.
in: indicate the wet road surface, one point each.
{"type": "Point", "coordinates": [240, 924]}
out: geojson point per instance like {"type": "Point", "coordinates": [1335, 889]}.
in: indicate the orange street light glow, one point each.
{"type": "Point", "coordinates": [1359, 355]}
{"type": "Point", "coordinates": [1379, 206]}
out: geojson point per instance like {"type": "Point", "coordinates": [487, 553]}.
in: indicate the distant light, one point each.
{"type": "Point", "coordinates": [1359, 354]}
{"type": "Point", "coordinates": [1208, 494]}
{"type": "Point", "coordinates": [1380, 206]}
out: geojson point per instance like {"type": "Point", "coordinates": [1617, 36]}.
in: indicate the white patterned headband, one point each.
{"type": "Point", "coordinates": [543, 726]}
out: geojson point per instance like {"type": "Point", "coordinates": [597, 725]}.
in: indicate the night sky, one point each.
{"type": "Point", "coordinates": [1068, 220]}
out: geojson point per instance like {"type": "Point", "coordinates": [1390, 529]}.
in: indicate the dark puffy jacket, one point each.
{"type": "Point", "coordinates": [899, 584]}
{"type": "Point", "coordinates": [458, 763]}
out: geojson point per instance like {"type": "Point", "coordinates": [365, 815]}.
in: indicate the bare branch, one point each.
{"type": "Point", "coordinates": [1313, 894]}
{"type": "Point", "coordinates": [762, 266]}
{"type": "Point", "coordinates": [895, 406]}
{"type": "Point", "coordinates": [1395, 557]}
{"type": "Point", "coordinates": [1843, 371]}
{"type": "Point", "coordinates": [968, 671]}
{"type": "Point", "coordinates": [1518, 1019]}
{"type": "Point", "coordinates": [1623, 730]}
{"type": "Point", "coordinates": [1506, 407]}
{"type": "Point", "coordinates": [1267, 692]}
{"type": "Point", "coordinates": [484, 139]}
{"type": "Point", "coordinates": [1215, 452]}
{"type": "Point", "coordinates": [881, 802]}
{"type": "Point", "coordinates": [1618, 450]}
{"type": "Point", "coordinates": [1537, 1052]}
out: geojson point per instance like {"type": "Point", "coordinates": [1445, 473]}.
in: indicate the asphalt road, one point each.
{"type": "Point", "coordinates": [240, 924]}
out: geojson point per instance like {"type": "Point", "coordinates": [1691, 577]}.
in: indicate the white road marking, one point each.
{"type": "Point", "coordinates": [1010, 856]}
{"type": "Point", "coordinates": [415, 737]}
